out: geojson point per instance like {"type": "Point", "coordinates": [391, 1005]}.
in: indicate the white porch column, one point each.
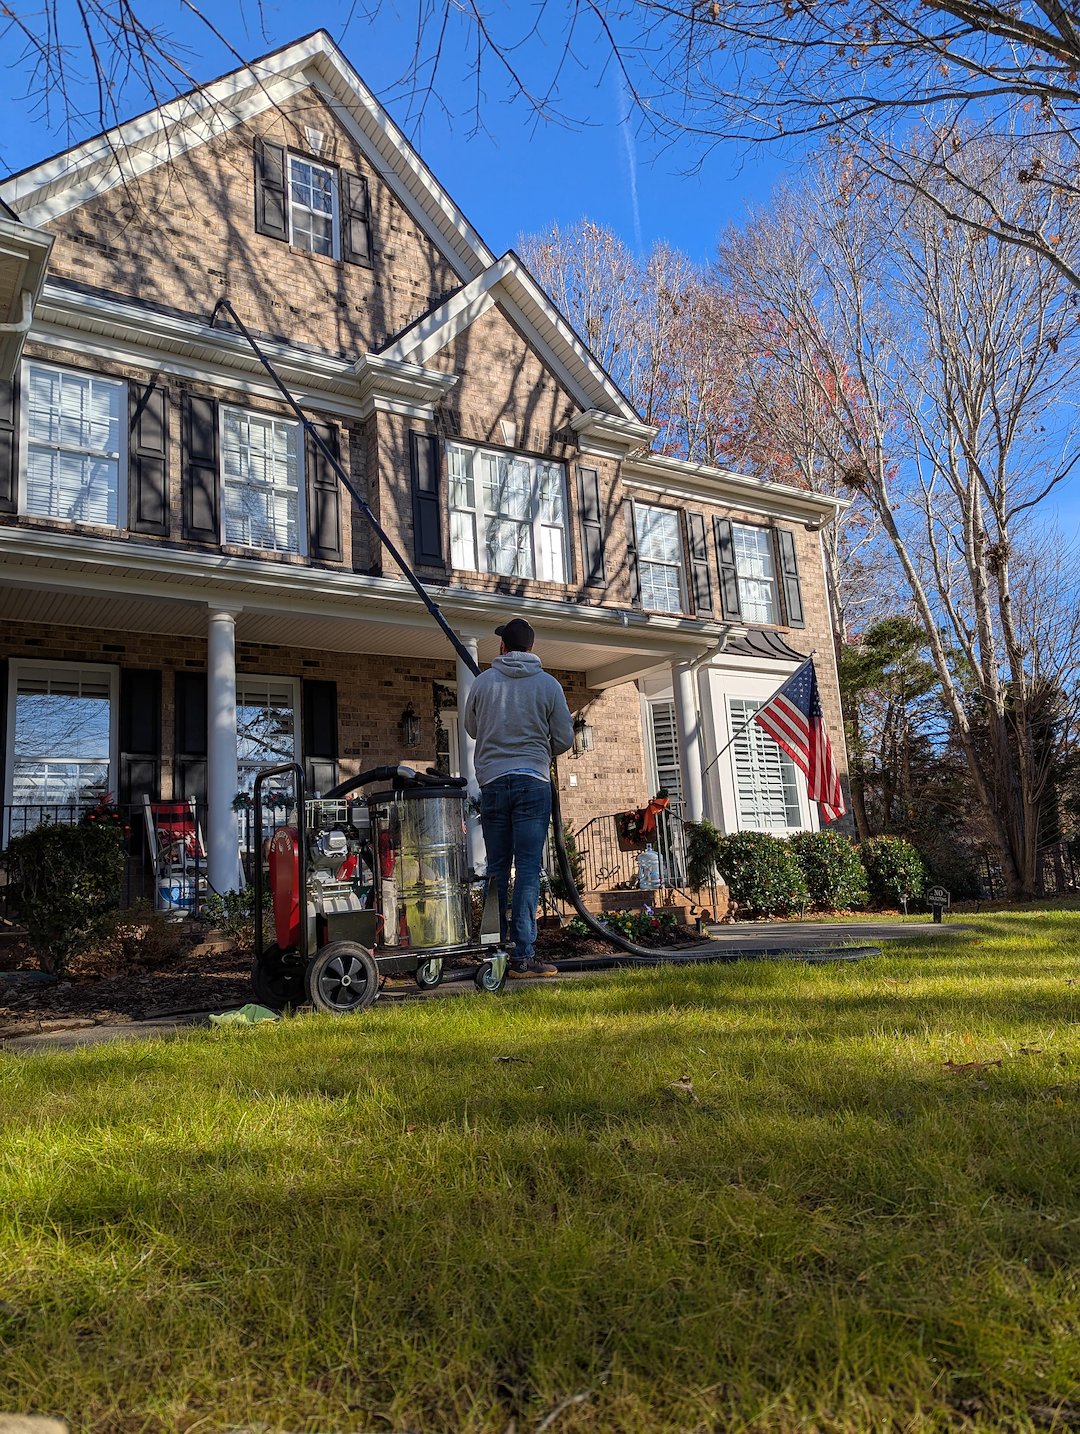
{"type": "Point", "coordinates": [466, 754]}
{"type": "Point", "coordinates": [688, 730]}
{"type": "Point", "coordinates": [222, 847]}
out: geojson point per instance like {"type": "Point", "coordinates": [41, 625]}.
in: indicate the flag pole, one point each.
{"type": "Point", "coordinates": [736, 735]}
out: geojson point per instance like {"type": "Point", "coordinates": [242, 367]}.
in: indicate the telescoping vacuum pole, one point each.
{"type": "Point", "coordinates": [613, 938]}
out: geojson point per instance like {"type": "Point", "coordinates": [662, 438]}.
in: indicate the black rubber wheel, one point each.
{"type": "Point", "coordinates": [278, 981]}
{"type": "Point", "coordinates": [429, 973]}
{"type": "Point", "coordinates": [342, 979]}
{"type": "Point", "coordinates": [488, 977]}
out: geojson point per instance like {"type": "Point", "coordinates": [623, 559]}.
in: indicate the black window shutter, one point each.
{"type": "Point", "coordinates": [632, 552]}
{"type": "Point", "coordinates": [324, 495]}
{"type": "Point", "coordinates": [789, 578]}
{"type": "Point", "coordinates": [427, 507]}
{"type": "Point", "coordinates": [700, 582]}
{"type": "Point", "coordinates": [9, 447]}
{"type": "Point", "coordinates": [190, 724]}
{"type": "Point", "coordinates": [592, 527]}
{"type": "Point", "coordinates": [320, 734]}
{"type": "Point", "coordinates": [357, 246]}
{"type": "Point", "coordinates": [200, 469]}
{"type": "Point", "coordinates": [271, 203]}
{"type": "Point", "coordinates": [147, 456]}
{"type": "Point", "coordinates": [729, 577]}
{"type": "Point", "coordinates": [140, 735]}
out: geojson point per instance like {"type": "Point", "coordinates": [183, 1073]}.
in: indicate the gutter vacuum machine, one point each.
{"type": "Point", "coordinates": [363, 888]}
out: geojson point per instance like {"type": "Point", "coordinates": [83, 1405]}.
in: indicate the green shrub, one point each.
{"type": "Point", "coordinates": [763, 874]}
{"type": "Point", "coordinates": [702, 849]}
{"type": "Point", "coordinates": [646, 928]}
{"type": "Point", "coordinates": [894, 869]}
{"type": "Point", "coordinates": [233, 914]}
{"type": "Point", "coordinates": [66, 882]}
{"type": "Point", "coordinates": [835, 877]}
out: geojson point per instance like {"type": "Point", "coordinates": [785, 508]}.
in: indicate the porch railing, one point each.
{"type": "Point", "coordinates": [605, 866]}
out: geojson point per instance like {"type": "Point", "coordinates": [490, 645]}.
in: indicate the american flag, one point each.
{"type": "Point", "coordinates": [792, 718]}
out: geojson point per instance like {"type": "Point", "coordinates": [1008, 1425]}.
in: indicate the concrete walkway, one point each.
{"type": "Point", "coordinates": [753, 937]}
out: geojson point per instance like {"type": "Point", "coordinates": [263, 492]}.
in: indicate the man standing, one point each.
{"type": "Point", "coordinates": [518, 715]}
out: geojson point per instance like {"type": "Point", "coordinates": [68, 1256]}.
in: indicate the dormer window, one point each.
{"type": "Point", "coordinates": [311, 205]}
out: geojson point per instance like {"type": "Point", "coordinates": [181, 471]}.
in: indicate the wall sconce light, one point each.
{"type": "Point", "coordinates": [583, 735]}
{"type": "Point", "coordinates": [409, 727]}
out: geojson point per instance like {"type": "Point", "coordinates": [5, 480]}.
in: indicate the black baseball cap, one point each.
{"type": "Point", "coordinates": [517, 634]}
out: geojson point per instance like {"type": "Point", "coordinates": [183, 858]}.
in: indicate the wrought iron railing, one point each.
{"type": "Point", "coordinates": [606, 866]}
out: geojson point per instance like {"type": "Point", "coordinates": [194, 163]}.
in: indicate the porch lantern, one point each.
{"type": "Point", "coordinates": [583, 735]}
{"type": "Point", "coordinates": [409, 727]}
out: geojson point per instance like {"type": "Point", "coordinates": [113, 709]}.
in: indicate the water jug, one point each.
{"type": "Point", "coordinates": [648, 869]}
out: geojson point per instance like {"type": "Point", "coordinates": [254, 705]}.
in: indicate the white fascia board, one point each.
{"type": "Point", "coordinates": [43, 558]}
{"type": "Point", "coordinates": [507, 283]}
{"type": "Point", "coordinates": [127, 333]}
{"type": "Point", "coordinates": [610, 437]}
{"type": "Point", "coordinates": [24, 257]}
{"type": "Point", "coordinates": [675, 478]}
{"type": "Point", "coordinates": [121, 154]}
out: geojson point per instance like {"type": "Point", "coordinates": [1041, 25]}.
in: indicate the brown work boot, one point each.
{"type": "Point", "coordinates": [521, 970]}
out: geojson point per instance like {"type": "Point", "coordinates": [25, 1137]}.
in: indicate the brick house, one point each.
{"type": "Point", "coordinates": [187, 592]}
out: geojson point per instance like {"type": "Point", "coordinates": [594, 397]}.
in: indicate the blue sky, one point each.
{"type": "Point", "coordinates": [517, 173]}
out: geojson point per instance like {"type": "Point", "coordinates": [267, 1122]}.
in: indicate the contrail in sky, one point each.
{"type": "Point", "coordinates": [631, 153]}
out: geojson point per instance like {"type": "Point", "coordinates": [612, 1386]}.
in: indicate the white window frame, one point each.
{"type": "Point", "coordinates": [19, 667]}
{"type": "Point", "coordinates": [120, 455]}
{"type": "Point", "coordinates": [245, 682]}
{"type": "Point", "coordinates": [749, 741]}
{"type": "Point", "coordinates": [475, 517]}
{"type": "Point", "coordinates": [678, 562]}
{"type": "Point", "coordinates": [335, 211]}
{"type": "Point", "coordinates": [742, 577]}
{"type": "Point", "coordinates": [296, 428]}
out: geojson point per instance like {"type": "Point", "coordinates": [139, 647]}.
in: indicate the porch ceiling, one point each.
{"type": "Point", "coordinates": [607, 657]}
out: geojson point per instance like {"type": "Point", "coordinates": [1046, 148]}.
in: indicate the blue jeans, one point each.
{"type": "Point", "coordinates": [515, 812]}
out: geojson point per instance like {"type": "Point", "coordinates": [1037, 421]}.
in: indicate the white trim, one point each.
{"type": "Point", "coordinates": [334, 173]}
{"type": "Point", "coordinates": [58, 185]}
{"type": "Point", "coordinates": [510, 285]}
{"type": "Point", "coordinates": [293, 684]}
{"type": "Point", "coordinates": [674, 478]}
{"type": "Point", "coordinates": [122, 460]}
{"type": "Point", "coordinates": [20, 665]}
{"type": "Point", "coordinates": [24, 256]}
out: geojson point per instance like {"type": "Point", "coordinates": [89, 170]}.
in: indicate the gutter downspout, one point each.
{"type": "Point", "coordinates": [22, 326]}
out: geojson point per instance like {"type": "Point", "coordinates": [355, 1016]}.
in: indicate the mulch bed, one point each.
{"type": "Point", "coordinates": [207, 977]}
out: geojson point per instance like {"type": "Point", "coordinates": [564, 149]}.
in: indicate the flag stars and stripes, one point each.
{"type": "Point", "coordinates": [793, 718]}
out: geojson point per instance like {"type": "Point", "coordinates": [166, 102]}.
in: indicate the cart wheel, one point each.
{"type": "Point", "coordinates": [492, 975]}
{"type": "Point", "coordinates": [429, 973]}
{"type": "Point", "coordinates": [342, 979]}
{"type": "Point", "coordinates": [278, 982]}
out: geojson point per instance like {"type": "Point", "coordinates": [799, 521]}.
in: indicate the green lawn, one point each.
{"type": "Point", "coordinates": [861, 1212]}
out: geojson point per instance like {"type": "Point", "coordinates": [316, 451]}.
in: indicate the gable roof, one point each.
{"type": "Point", "coordinates": [57, 185]}
{"type": "Point", "coordinates": [508, 284]}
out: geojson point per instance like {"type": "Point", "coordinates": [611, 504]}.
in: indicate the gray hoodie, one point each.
{"type": "Point", "coordinates": [519, 717]}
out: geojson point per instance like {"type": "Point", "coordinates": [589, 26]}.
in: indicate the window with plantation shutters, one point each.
{"type": "Point", "coordinates": [507, 514]}
{"type": "Point", "coordinates": [659, 558]}
{"type": "Point", "coordinates": [766, 786]}
{"type": "Point", "coordinates": [75, 445]}
{"type": "Point", "coordinates": [262, 468]}
{"type": "Point", "coordinates": [62, 720]}
{"type": "Point", "coordinates": [665, 744]}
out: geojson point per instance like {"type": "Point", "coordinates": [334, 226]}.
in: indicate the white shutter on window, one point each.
{"type": "Point", "coordinates": [73, 445]}
{"type": "Point", "coordinates": [765, 781]}
{"type": "Point", "coordinates": [665, 742]}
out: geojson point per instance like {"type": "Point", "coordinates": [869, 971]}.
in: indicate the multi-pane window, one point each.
{"type": "Point", "coordinates": [312, 206]}
{"type": "Point", "coordinates": [61, 721]}
{"type": "Point", "coordinates": [766, 786]}
{"type": "Point", "coordinates": [507, 514]}
{"type": "Point", "coordinates": [261, 470]}
{"type": "Point", "coordinates": [660, 562]}
{"type": "Point", "coordinates": [74, 445]}
{"type": "Point", "coordinates": [755, 570]}
{"type": "Point", "coordinates": [265, 725]}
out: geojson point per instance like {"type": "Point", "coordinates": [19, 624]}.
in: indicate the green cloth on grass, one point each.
{"type": "Point", "coordinates": [249, 1015]}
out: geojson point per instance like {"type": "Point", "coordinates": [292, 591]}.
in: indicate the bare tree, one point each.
{"type": "Point", "coordinates": [952, 360]}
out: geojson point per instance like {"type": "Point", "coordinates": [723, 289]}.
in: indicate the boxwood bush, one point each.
{"type": "Point", "coordinates": [67, 881]}
{"type": "Point", "coordinates": [894, 869]}
{"type": "Point", "coordinates": [763, 874]}
{"type": "Point", "coordinates": [835, 877]}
